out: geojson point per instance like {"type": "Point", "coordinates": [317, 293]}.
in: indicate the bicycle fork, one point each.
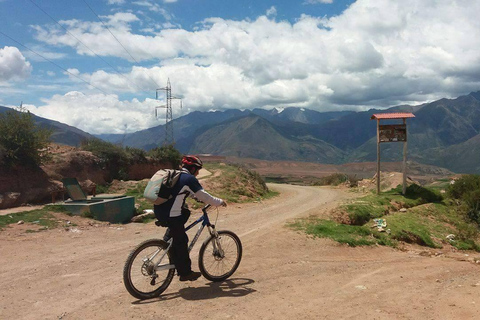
{"type": "Point", "coordinates": [217, 248]}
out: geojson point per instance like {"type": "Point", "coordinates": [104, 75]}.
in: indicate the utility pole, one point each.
{"type": "Point", "coordinates": [169, 139]}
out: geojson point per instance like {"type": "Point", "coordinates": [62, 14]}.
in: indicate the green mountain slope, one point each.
{"type": "Point", "coordinates": [255, 137]}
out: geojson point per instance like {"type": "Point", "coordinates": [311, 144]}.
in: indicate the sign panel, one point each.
{"type": "Point", "coordinates": [393, 133]}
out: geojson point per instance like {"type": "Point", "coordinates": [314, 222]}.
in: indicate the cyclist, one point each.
{"type": "Point", "coordinates": [174, 213]}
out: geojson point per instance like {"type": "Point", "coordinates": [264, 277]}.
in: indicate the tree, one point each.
{"type": "Point", "coordinates": [166, 153]}
{"type": "Point", "coordinates": [22, 142]}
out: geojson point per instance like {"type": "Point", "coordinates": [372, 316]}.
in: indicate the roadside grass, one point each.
{"type": "Point", "coordinates": [373, 206]}
{"type": "Point", "coordinates": [427, 221]}
{"type": "Point", "coordinates": [342, 233]}
{"type": "Point", "coordinates": [439, 184]}
{"type": "Point", "coordinates": [41, 217]}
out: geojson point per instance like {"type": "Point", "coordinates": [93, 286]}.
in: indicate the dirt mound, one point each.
{"type": "Point", "coordinates": [388, 180]}
{"type": "Point", "coordinates": [42, 184]}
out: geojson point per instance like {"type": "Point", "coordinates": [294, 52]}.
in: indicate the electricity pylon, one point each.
{"type": "Point", "coordinates": [169, 139]}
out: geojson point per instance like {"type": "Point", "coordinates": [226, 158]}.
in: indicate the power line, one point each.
{"type": "Point", "coordinates": [156, 84]}
{"type": "Point", "coordinates": [38, 54]}
{"type": "Point", "coordinates": [66, 30]}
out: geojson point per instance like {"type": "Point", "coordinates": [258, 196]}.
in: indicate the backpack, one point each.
{"type": "Point", "coordinates": [159, 188]}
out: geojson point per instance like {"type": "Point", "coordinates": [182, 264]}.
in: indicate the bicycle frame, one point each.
{"type": "Point", "coordinates": [205, 223]}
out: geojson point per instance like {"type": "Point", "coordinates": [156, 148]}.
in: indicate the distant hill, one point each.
{"type": "Point", "coordinates": [254, 137]}
{"type": "Point", "coordinates": [62, 133]}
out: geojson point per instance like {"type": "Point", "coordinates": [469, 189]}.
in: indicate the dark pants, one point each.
{"type": "Point", "coordinates": [179, 249]}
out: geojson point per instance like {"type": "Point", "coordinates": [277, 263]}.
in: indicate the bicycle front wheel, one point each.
{"type": "Point", "coordinates": [220, 256]}
{"type": "Point", "coordinates": [148, 270]}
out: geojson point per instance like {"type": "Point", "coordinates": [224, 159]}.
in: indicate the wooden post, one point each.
{"type": "Point", "coordinates": [404, 191]}
{"type": "Point", "coordinates": [378, 156]}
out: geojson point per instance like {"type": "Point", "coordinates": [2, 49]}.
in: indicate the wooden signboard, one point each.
{"type": "Point", "coordinates": [393, 133]}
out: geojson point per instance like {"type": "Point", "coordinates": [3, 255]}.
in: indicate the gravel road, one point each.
{"type": "Point", "coordinates": [77, 274]}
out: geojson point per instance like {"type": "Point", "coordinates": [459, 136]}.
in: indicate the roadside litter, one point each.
{"type": "Point", "coordinates": [380, 224]}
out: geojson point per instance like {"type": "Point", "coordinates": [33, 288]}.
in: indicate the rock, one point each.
{"type": "Point", "coordinates": [140, 217]}
{"type": "Point", "coordinates": [450, 237]}
{"type": "Point", "coordinates": [403, 210]}
{"type": "Point", "coordinates": [21, 222]}
{"type": "Point", "coordinates": [9, 199]}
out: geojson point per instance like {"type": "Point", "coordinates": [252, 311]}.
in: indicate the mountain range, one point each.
{"type": "Point", "coordinates": [444, 133]}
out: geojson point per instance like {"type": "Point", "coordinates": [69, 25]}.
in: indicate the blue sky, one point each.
{"type": "Point", "coordinates": [319, 54]}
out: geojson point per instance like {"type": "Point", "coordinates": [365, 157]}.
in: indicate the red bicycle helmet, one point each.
{"type": "Point", "coordinates": [192, 161]}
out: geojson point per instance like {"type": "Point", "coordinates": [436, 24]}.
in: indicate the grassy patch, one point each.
{"type": "Point", "coordinates": [427, 221]}
{"type": "Point", "coordinates": [342, 233]}
{"type": "Point", "coordinates": [375, 206]}
{"type": "Point", "coordinates": [41, 217]}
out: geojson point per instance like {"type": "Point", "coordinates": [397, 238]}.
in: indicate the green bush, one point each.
{"type": "Point", "coordinates": [136, 155]}
{"type": "Point", "coordinates": [332, 180]}
{"type": "Point", "coordinates": [467, 190]}
{"type": "Point", "coordinates": [464, 185]}
{"type": "Point", "coordinates": [166, 154]}
{"type": "Point", "coordinates": [21, 140]}
{"type": "Point", "coordinates": [414, 191]}
{"type": "Point", "coordinates": [114, 158]}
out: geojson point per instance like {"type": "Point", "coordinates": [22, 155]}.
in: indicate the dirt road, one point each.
{"type": "Point", "coordinates": [77, 274]}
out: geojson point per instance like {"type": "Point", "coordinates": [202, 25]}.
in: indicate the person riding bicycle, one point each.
{"type": "Point", "coordinates": [174, 213]}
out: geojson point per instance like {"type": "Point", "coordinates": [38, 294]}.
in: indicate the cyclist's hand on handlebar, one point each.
{"type": "Point", "coordinates": [224, 203]}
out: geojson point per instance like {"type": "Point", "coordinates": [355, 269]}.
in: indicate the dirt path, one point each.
{"type": "Point", "coordinates": [283, 274]}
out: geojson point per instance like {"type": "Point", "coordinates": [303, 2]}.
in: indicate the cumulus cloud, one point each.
{"type": "Point", "coordinates": [13, 65]}
{"type": "Point", "coordinates": [374, 54]}
{"type": "Point", "coordinates": [99, 113]}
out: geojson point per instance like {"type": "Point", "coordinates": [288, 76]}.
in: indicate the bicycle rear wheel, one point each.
{"type": "Point", "coordinates": [145, 274]}
{"type": "Point", "coordinates": [220, 256]}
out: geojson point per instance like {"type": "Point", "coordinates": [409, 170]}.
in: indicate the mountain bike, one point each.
{"type": "Point", "coordinates": [149, 270]}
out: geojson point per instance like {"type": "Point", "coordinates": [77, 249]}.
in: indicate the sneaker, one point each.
{"type": "Point", "coordinates": [192, 276]}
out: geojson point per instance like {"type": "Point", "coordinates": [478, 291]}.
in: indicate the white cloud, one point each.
{"type": "Point", "coordinates": [98, 113]}
{"type": "Point", "coordinates": [272, 12]}
{"type": "Point", "coordinates": [116, 1]}
{"type": "Point", "coordinates": [13, 65]}
{"type": "Point", "coordinates": [154, 7]}
{"type": "Point", "coordinates": [376, 53]}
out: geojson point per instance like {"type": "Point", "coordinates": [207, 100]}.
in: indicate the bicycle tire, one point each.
{"type": "Point", "coordinates": [212, 265]}
{"type": "Point", "coordinates": [143, 271]}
